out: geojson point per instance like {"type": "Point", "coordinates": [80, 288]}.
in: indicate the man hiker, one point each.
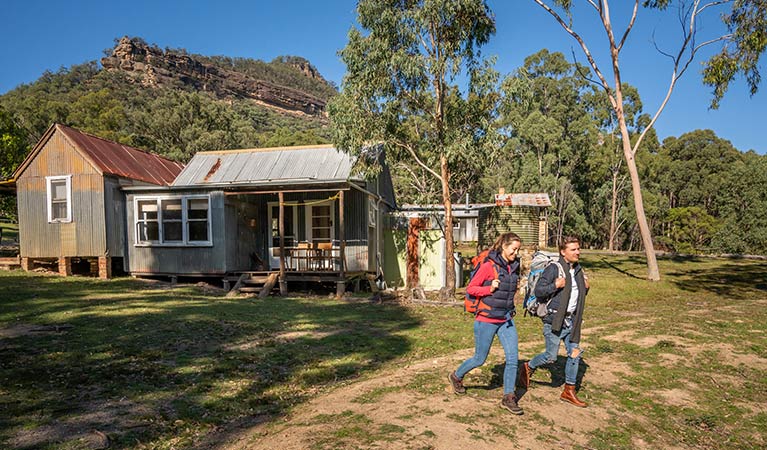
{"type": "Point", "coordinates": [566, 296]}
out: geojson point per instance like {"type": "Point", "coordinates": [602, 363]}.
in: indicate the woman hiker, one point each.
{"type": "Point", "coordinates": [495, 284]}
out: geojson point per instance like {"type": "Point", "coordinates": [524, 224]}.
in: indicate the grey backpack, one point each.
{"type": "Point", "coordinates": [541, 260]}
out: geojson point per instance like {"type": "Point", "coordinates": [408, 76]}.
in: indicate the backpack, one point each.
{"type": "Point", "coordinates": [472, 304]}
{"type": "Point", "coordinates": [531, 304]}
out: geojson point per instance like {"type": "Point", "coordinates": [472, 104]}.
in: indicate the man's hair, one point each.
{"type": "Point", "coordinates": [568, 240]}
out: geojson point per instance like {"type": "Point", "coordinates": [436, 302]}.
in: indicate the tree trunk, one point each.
{"type": "Point", "coordinates": [449, 290]}
{"type": "Point", "coordinates": [653, 274]}
{"type": "Point", "coordinates": [644, 229]}
{"type": "Point", "coordinates": [613, 212]}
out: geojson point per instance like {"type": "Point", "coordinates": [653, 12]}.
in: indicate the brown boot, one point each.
{"type": "Point", "coordinates": [523, 378]}
{"type": "Point", "coordinates": [509, 401]}
{"type": "Point", "coordinates": [568, 395]}
{"type": "Point", "coordinates": [456, 384]}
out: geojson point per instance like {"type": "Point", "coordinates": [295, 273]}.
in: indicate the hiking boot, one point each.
{"type": "Point", "coordinates": [509, 402]}
{"type": "Point", "coordinates": [568, 395]}
{"type": "Point", "coordinates": [523, 378]}
{"type": "Point", "coordinates": [456, 383]}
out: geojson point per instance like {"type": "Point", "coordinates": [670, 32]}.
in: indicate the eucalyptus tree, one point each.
{"type": "Point", "coordinates": [553, 133]}
{"type": "Point", "coordinates": [416, 83]}
{"type": "Point", "coordinates": [740, 49]}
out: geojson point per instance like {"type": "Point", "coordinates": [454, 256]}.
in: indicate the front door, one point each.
{"type": "Point", "coordinates": [291, 235]}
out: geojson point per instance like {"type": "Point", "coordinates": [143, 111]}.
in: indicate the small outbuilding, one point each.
{"type": "Point", "coordinates": [70, 200]}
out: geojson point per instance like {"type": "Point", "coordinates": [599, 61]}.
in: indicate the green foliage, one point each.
{"type": "Point", "coordinates": [401, 90]}
{"type": "Point", "coordinates": [281, 71]}
{"type": "Point", "coordinates": [546, 113]}
{"type": "Point", "coordinates": [172, 121]}
{"type": "Point", "coordinates": [13, 144]}
{"type": "Point", "coordinates": [744, 46]}
{"type": "Point", "coordinates": [743, 207]}
{"type": "Point", "coordinates": [690, 229]}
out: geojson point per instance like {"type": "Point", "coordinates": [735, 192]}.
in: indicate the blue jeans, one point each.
{"type": "Point", "coordinates": [483, 339]}
{"type": "Point", "coordinates": [552, 349]}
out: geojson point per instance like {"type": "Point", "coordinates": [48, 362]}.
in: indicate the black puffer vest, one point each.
{"type": "Point", "coordinates": [501, 301]}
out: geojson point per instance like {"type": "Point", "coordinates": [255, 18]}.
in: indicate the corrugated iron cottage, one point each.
{"type": "Point", "coordinates": [70, 203]}
{"type": "Point", "coordinates": [299, 210]}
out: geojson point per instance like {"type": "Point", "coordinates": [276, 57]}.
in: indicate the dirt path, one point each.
{"type": "Point", "coordinates": [411, 408]}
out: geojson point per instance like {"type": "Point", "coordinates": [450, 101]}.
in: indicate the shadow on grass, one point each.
{"type": "Point", "coordinates": [726, 279]}
{"type": "Point", "coordinates": [556, 373]}
{"type": "Point", "coordinates": [157, 367]}
{"type": "Point", "coordinates": [603, 264]}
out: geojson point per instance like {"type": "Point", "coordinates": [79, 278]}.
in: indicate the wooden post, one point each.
{"type": "Point", "coordinates": [283, 281]}
{"type": "Point", "coordinates": [341, 284]}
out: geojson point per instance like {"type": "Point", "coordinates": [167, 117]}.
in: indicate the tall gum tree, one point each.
{"type": "Point", "coordinates": [740, 48]}
{"type": "Point", "coordinates": [415, 82]}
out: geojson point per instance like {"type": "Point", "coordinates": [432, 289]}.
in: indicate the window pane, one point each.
{"type": "Point", "coordinates": [198, 231]}
{"type": "Point", "coordinates": [59, 190]}
{"type": "Point", "coordinates": [321, 210]}
{"type": "Point", "coordinates": [147, 210]}
{"type": "Point", "coordinates": [321, 234]}
{"type": "Point", "coordinates": [171, 231]}
{"type": "Point", "coordinates": [171, 209]}
{"type": "Point", "coordinates": [321, 222]}
{"type": "Point", "coordinates": [148, 232]}
{"type": "Point", "coordinates": [59, 211]}
{"type": "Point", "coordinates": [197, 208]}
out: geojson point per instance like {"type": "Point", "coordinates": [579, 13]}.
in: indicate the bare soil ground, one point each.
{"type": "Point", "coordinates": [430, 417]}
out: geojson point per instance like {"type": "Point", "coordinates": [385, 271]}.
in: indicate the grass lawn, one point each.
{"type": "Point", "coordinates": [10, 232]}
{"type": "Point", "coordinates": [154, 367]}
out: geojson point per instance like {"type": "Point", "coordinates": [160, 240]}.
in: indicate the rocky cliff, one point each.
{"type": "Point", "coordinates": [152, 66]}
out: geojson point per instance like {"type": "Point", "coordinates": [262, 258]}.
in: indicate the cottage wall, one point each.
{"type": "Point", "coordinates": [180, 260]}
{"type": "Point", "coordinates": [85, 235]}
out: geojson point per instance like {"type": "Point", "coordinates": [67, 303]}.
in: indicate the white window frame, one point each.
{"type": "Point", "coordinates": [185, 241]}
{"type": "Point", "coordinates": [372, 212]}
{"type": "Point", "coordinates": [49, 197]}
{"type": "Point", "coordinates": [308, 219]}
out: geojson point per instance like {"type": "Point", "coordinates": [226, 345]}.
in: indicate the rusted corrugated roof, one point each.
{"type": "Point", "coordinates": [527, 199]}
{"type": "Point", "coordinates": [123, 161]}
{"type": "Point", "coordinates": [267, 165]}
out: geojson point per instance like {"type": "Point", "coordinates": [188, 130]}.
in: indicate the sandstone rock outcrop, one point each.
{"type": "Point", "coordinates": [154, 67]}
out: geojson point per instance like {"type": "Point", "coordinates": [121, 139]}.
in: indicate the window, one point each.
{"type": "Point", "coordinates": [173, 221]}
{"type": "Point", "coordinates": [372, 212]}
{"type": "Point", "coordinates": [59, 202]}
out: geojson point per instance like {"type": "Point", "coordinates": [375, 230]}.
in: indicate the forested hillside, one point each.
{"type": "Point", "coordinates": [153, 99]}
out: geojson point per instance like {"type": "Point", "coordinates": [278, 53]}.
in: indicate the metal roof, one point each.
{"type": "Point", "coordinates": [267, 165]}
{"type": "Point", "coordinates": [527, 199]}
{"type": "Point", "coordinates": [123, 161]}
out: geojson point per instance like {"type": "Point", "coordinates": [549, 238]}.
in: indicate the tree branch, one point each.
{"type": "Point", "coordinates": [630, 26]}
{"type": "Point", "coordinates": [417, 159]}
{"type": "Point", "coordinates": [581, 42]}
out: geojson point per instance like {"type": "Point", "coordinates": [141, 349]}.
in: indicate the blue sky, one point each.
{"type": "Point", "coordinates": [45, 35]}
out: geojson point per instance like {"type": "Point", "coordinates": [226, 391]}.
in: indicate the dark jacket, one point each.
{"type": "Point", "coordinates": [500, 301]}
{"type": "Point", "coordinates": [546, 289]}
